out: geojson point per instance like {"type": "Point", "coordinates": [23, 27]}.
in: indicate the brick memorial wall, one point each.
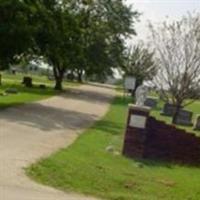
{"type": "Point", "coordinates": [154, 139]}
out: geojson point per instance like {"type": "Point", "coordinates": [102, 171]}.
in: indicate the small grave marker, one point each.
{"type": "Point", "coordinates": [197, 123]}
{"type": "Point", "coordinates": [11, 91]}
{"type": "Point", "coordinates": [27, 81]}
{"type": "Point", "coordinates": [151, 102]}
{"type": "Point", "coordinates": [184, 118]}
{"type": "Point", "coordinates": [42, 86]}
{"type": "Point", "coordinates": [129, 84]}
{"type": "Point", "coordinates": [168, 109]}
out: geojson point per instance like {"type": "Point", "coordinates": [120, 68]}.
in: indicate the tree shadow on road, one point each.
{"type": "Point", "coordinates": [46, 118]}
{"type": "Point", "coordinates": [89, 95]}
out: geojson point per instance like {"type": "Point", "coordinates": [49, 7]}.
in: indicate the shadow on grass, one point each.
{"type": "Point", "coordinates": [122, 101]}
{"type": "Point", "coordinates": [164, 163]}
{"type": "Point", "coordinates": [155, 163]}
{"type": "Point", "coordinates": [109, 127]}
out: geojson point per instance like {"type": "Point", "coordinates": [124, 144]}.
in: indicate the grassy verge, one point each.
{"type": "Point", "coordinates": [37, 79]}
{"type": "Point", "coordinates": [26, 95]}
{"type": "Point", "coordinates": [86, 167]}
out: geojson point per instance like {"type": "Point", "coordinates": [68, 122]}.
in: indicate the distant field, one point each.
{"type": "Point", "coordinates": [86, 167]}
{"type": "Point", "coordinates": [26, 95]}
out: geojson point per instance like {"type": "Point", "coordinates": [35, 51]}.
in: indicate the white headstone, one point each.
{"type": "Point", "coordinates": [129, 83]}
{"type": "Point", "coordinates": [137, 121]}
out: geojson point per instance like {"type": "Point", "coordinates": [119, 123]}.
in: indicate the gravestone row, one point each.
{"type": "Point", "coordinates": [184, 117]}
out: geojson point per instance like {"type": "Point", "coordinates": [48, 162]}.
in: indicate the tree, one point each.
{"type": "Point", "coordinates": [139, 62]}
{"type": "Point", "coordinates": [104, 24]}
{"type": "Point", "coordinates": [15, 31]}
{"type": "Point", "coordinates": [83, 35]}
{"type": "Point", "coordinates": [56, 36]}
{"type": "Point", "coordinates": [177, 46]}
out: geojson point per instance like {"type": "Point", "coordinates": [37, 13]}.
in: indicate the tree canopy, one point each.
{"type": "Point", "coordinates": [139, 62]}
{"type": "Point", "coordinates": [177, 46]}
{"type": "Point", "coordinates": [15, 31]}
{"type": "Point", "coordinates": [81, 35]}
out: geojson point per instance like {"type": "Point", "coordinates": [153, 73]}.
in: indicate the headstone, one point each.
{"type": "Point", "coordinates": [70, 76]}
{"type": "Point", "coordinates": [51, 77]}
{"type": "Point", "coordinates": [13, 71]}
{"type": "Point", "coordinates": [197, 123]}
{"type": "Point", "coordinates": [168, 109]}
{"type": "Point", "coordinates": [151, 102]}
{"type": "Point", "coordinates": [11, 91]}
{"type": "Point", "coordinates": [184, 118]}
{"type": "Point", "coordinates": [129, 83]}
{"type": "Point", "coordinates": [42, 86]}
{"type": "Point", "coordinates": [27, 81]}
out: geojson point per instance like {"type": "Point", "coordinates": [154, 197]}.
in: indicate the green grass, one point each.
{"type": "Point", "coordinates": [37, 79]}
{"type": "Point", "coordinates": [26, 95]}
{"type": "Point", "coordinates": [86, 167]}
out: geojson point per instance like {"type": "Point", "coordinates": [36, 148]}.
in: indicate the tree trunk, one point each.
{"type": "Point", "coordinates": [58, 74]}
{"type": "Point", "coordinates": [58, 85]}
{"type": "Point", "coordinates": [79, 78]}
{"type": "Point", "coordinates": [175, 116]}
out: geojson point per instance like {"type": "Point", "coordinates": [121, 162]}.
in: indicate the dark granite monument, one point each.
{"type": "Point", "coordinates": [184, 118]}
{"type": "Point", "coordinates": [197, 123]}
{"type": "Point", "coordinates": [151, 102]}
{"type": "Point", "coordinates": [168, 109]}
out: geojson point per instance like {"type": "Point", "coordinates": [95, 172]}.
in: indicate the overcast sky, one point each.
{"type": "Point", "coordinates": [157, 10]}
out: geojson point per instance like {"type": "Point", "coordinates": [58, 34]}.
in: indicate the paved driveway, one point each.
{"type": "Point", "coordinates": [32, 131]}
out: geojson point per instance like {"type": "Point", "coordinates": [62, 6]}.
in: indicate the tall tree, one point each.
{"type": "Point", "coordinates": [56, 36]}
{"type": "Point", "coordinates": [139, 62]}
{"type": "Point", "coordinates": [177, 46]}
{"type": "Point", "coordinates": [104, 25]}
{"type": "Point", "coordinates": [86, 35]}
{"type": "Point", "coordinates": [15, 31]}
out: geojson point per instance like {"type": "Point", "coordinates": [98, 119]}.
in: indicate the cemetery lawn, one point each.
{"type": "Point", "coordinates": [86, 167]}
{"type": "Point", "coordinates": [26, 95]}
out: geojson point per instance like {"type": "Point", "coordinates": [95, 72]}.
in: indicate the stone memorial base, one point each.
{"type": "Point", "coordinates": [147, 137]}
{"type": "Point", "coordinates": [151, 102]}
{"type": "Point", "coordinates": [136, 131]}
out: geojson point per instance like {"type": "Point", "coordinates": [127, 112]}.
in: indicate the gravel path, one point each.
{"type": "Point", "coordinates": [35, 130]}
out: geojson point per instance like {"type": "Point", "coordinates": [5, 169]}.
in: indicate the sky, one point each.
{"type": "Point", "coordinates": [157, 10]}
